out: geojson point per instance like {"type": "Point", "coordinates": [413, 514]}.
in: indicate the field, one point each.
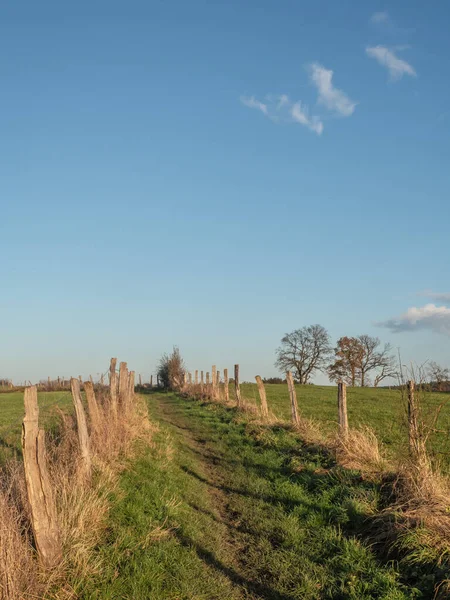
{"type": "Point", "coordinates": [382, 409]}
{"type": "Point", "coordinates": [11, 415]}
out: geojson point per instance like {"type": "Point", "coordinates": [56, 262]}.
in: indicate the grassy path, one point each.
{"type": "Point", "coordinates": [224, 509]}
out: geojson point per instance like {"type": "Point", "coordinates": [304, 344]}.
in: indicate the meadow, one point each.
{"type": "Point", "coordinates": [11, 415]}
{"type": "Point", "coordinates": [382, 409]}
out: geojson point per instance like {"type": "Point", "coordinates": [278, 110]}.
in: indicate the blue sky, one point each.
{"type": "Point", "coordinates": [214, 174]}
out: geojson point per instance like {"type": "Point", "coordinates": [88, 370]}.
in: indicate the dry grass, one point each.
{"type": "Point", "coordinates": [362, 451]}
{"type": "Point", "coordinates": [18, 567]}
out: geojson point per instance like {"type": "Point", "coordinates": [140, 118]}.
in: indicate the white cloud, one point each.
{"type": "Point", "coordinates": [281, 109]}
{"type": "Point", "coordinates": [300, 115]}
{"type": "Point", "coordinates": [396, 66]}
{"type": "Point", "coordinates": [332, 98]}
{"type": "Point", "coordinates": [430, 316]}
{"type": "Point", "coordinates": [251, 102]}
{"type": "Point", "coordinates": [380, 17]}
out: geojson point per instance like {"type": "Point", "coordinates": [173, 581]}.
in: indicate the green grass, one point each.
{"type": "Point", "coordinates": [218, 508]}
{"type": "Point", "coordinates": [382, 409]}
{"type": "Point", "coordinates": [11, 416]}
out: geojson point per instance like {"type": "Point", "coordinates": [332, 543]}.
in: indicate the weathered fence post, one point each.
{"type": "Point", "coordinates": [102, 382]}
{"type": "Point", "coordinates": [123, 383]}
{"type": "Point", "coordinates": [93, 408]}
{"type": "Point", "coordinates": [237, 387]}
{"type": "Point", "coordinates": [83, 436]}
{"type": "Point", "coordinates": [207, 378]}
{"type": "Point", "coordinates": [190, 378]}
{"type": "Point", "coordinates": [38, 484]}
{"type": "Point", "coordinates": [342, 410]}
{"type": "Point", "coordinates": [151, 381]}
{"type": "Point", "coordinates": [113, 387]}
{"type": "Point", "coordinates": [413, 429]}
{"type": "Point", "coordinates": [201, 377]}
{"type": "Point", "coordinates": [196, 378]}
{"type": "Point", "coordinates": [214, 382]}
{"type": "Point", "coordinates": [262, 396]}
{"type": "Point", "coordinates": [293, 396]}
{"type": "Point", "coordinates": [130, 391]}
{"type": "Point", "coordinates": [91, 380]}
{"type": "Point", "coordinates": [225, 385]}
{"type": "Point", "coordinates": [140, 380]}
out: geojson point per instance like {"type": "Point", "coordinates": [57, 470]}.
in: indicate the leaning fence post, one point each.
{"type": "Point", "coordinates": [342, 410]}
{"type": "Point", "coordinates": [237, 387]}
{"type": "Point", "coordinates": [93, 408]}
{"type": "Point", "coordinates": [225, 385]}
{"type": "Point", "coordinates": [38, 484]}
{"type": "Point", "coordinates": [83, 436]}
{"type": "Point", "coordinates": [113, 387]}
{"type": "Point", "coordinates": [293, 396]}
{"type": "Point", "coordinates": [262, 396]}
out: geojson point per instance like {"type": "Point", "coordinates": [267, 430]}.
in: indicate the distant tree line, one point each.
{"type": "Point", "coordinates": [362, 360]}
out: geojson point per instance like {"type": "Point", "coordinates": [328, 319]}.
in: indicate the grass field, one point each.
{"type": "Point", "coordinates": [382, 409]}
{"type": "Point", "coordinates": [11, 415]}
{"type": "Point", "coordinates": [218, 508]}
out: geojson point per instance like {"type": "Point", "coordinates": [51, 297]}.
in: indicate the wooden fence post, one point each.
{"type": "Point", "coordinates": [123, 383]}
{"type": "Point", "coordinates": [130, 392]}
{"type": "Point", "coordinates": [201, 377]}
{"type": "Point", "coordinates": [207, 378]}
{"type": "Point", "coordinates": [190, 378]}
{"type": "Point", "coordinates": [225, 385]}
{"type": "Point", "coordinates": [237, 387]}
{"type": "Point", "coordinates": [413, 429]}
{"type": "Point", "coordinates": [113, 387]}
{"type": "Point", "coordinates": [214, 382]}
{"type": "Point", "coordinates": [342, 410]}
{"type": "Point", "coordinates": [140, 380]}
{"type": "Point", "coordinates": [38, 484]}
{"type": "Point", "coordinates": [151, 381]}
{"type": "Point", "coordinates": [293, 396]}
{"type": "Point", "coordinates": [93, 408]}
{"type": "Point", "coordinates": [262, 396]}
{"type": "Point", "coordinates": [102, 383]}
{"type": "Point", "coordinates": [83, 436]}
{"type": "Point", "coordinates": [91, 380]}
{"type": "Point", "coordinates": [196, 378]}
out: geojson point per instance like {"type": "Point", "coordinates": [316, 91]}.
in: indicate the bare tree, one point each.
{"type": "Point", "coordinates": [373, 358]}
{"type": "Point", "coordinates": [438, 374]}
{"type": "Point", "coordinates": [357, 357]}
{"type": "Point", "coordinates": [304, 351]}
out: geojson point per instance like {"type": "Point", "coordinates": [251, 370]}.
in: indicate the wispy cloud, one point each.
{"type": "Point", "coordinates": [380, 18]}
{"type": "Point", "coordinates": [251, 102]}
{"type": "Point", "coordinates": [436, 296]}
{"type": "Point", "coordinates": [396, 66]}
{"type": "Point", "coordinates": [300, 115]}
{"type": "Point", "coordinates": [332, 98]}
{"type": "Point", "coordinates": [430, 316]}
{"type": "Point", "coordinates": [282, 109]}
